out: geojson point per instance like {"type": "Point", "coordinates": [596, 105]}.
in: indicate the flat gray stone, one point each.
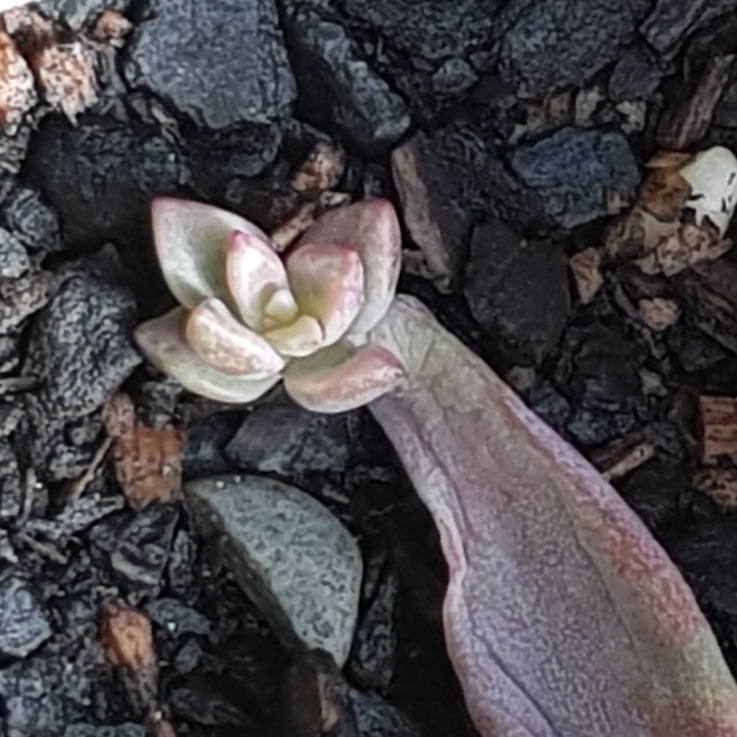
{"type": "Point", "coordinates": [23, 624]}
{"type": "Point", "coordinates": [221, 62]}
{"type": "Point", "coordinates": [290, 554]}
{"type": "Point", "coordinates": [575, 172]}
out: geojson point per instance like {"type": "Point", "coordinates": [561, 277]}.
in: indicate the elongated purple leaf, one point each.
{"type": "Point", "coordinates": [563, 616]}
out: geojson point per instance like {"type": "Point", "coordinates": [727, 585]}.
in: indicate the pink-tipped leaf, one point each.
{"type": "Point", "coordinates": [327, 282]}
{"type": "Point", "coordinates": [341, 378]}
{"type": "Point", "coordinates": [223, 343]}
{"type": "Point", "coordinates": [254, 274]}
{"type": "Point", "coordinates": [191, 239]}
{"type": "Point", "coordinates": [162, 342]}
{"type": "Point", "coordinates": [563, 616]}
{"type": "Point", "coordinates": [372, 229]}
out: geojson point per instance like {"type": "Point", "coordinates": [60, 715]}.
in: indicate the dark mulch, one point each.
{"type": "Point", "coordinates": [218, 101]}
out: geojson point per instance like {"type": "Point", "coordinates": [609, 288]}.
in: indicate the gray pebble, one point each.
{"type": "Point", "coordinates": [291, 556]}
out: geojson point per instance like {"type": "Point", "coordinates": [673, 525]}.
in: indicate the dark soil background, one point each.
{"type": "Point", "coordinates": [525, 120]}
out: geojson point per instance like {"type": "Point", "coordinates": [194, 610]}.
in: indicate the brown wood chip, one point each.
{"type": "Point", "coordinates": [147, 460]}
{"type": "Point", "coordinates": [686, 123]}
{"type": "Point", "coordinates": [718, 483]}
{"type": "Point", "coordinates": [586, 269]}
{"type": "Point", "coordinates": [718, 428]}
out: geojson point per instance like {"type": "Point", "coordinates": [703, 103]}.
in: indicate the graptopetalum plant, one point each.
{"type": "Point", "coordinates": [563, 616]}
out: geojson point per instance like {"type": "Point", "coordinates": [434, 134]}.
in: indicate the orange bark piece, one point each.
{"type": "Point", "coordinates": [147, 459]}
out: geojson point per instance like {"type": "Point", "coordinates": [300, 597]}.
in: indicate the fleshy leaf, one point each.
{"type": "Point", "coordinates": [162, 342]}
{"type": "Point", "coordinates": [372, 229]}
{"type": "Point", "coordinates": [302, 337]}
{"type": "Point", "coordinates": [254, 274]}
{"type": "Point", "coordinates": [281, 309]}
{"type": "Point", "coordinates": [327, 282]}
{"type": "Point", "coordinates": [223, 343]}
{"type": "Point", "coordinates": [191, 240]}
{"type": "Point", "coordinates": [339, 378]}
{"type": "Point", "coordinates": [563, 616]}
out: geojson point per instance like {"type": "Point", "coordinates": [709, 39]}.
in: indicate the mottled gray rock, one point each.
{"type": "Point", "coordinates": [221, 62]}
{"type": "Point", "coordinates": [578, 174]}
{"type": "Point", "coordinates": [549, 44]}
{"type": "Point", "coordinates": [376, 718]}
{"type": "Point", "coordinates": [46, 693]}
{"type": "Point", "coordinates": [78, 13]}
{"type": "Point", "coordinates": [431, 29]}
{"type": "Point", "coordinates": [672, 20]}
{"type": "Point", "coordinates": [137, 546]}
{"type": "Point", "coordinates": [129, 729]}
{"type": "Point", "coordinates": [518, 290]}
{"type": "Point", "coordinates": [635, 76]}
{"type": "Point", "coordinates": [11, 483]}
{"type": "Point", "coordinates": [14, 260]}
{"type": "Point", "coordinates": [80, 350]}
{"type": "Point", "coordinates": [338, 87]}
{"type": "Point", "coordinates": [453, 77]}
{"type": "Point", "coordinates": [23, 623]}
{"type": "Point", "coordinates": [292, 557]}
{"type": "Point", "coordinates": [203, 453]}
{"type": "Point", "coordinates": [188, 657]}
{"type": "Point", "coordinates": [31, 220]}
{"type": "Point", "coordinates": [12, 155]}
{"type": "Point", "coordinates": [177, 618]}
{"type": "Point", "coordinates": [100, 176]}
{"type": "Point", "coordinates": [287, 439]}
{"type": "Point", "coordinates": [374, 651]}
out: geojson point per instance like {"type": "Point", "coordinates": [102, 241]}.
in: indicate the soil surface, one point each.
{"type": "Point", "coordinates": [511, 135]}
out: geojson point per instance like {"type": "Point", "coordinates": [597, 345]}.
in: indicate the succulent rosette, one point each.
{"type": "Point", "coordinates": [246, 318]}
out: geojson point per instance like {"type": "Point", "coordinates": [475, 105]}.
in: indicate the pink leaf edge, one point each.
{"type": "Point", "coordinates": [563, 616]}
{"type": "Point", "coordinates": [341, 378]}
{"type": "Point", "coordinates": [191, 239]}
{"type": "Point", "coordinates": [371, 228]}
{"type": "Point", "coordinates": [161, 340]}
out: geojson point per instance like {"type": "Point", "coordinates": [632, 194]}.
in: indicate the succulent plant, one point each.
{"type": "Point", "coordinates": [247, 319]}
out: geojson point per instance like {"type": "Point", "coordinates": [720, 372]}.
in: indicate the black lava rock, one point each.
{"type": "Point", "coordinates": [518, 290]}
{"type": "Point", "coordinates": [635, 76]}
{"type": "Point", "coordinates": [80, 350]}
{"type": "Point", "coordinates": [287, 439]}
{"type": "Point", "coordinates": [338, 88]}
{"type": "Point", "coordinates": [575, 172]}
{"type": "Point", "coordinates": [221, 62]}
{"type": "Point", "coordinates": [435, 30]}
{"type": "Point", "coordinates": [100, 176]}
{"type": "Point", "coordinates": [14, 260]}
{"type": "Point", "coordinates": [31, 220]}
{"type": "Point", "coordinates": [672, 20]}
{"type": "Point", "coordinates": [23, 623]}
{"type": "Point", "coordinates": [137, 546]}
{"type": "Point", "coordinates": [549, 44]}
